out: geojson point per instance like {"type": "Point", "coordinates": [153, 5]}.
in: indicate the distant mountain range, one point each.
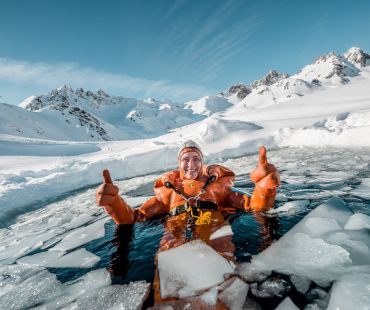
{"type": "Point", "coordinates": [80, 115]}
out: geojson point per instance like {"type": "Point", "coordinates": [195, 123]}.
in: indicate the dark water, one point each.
{"type": "Point", "coordinates": [128, 251]}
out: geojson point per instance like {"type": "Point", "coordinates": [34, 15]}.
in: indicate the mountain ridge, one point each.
{"type": "Point", "coordinates": [87, 115]}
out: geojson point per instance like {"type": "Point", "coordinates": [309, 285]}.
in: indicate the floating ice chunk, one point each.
{"type": "Point", "coordinates": [333, 208]}
{"type": "Point", "coordinates": [318, 225]}
{"type": "Point", "coordinates": [40, 259]}
{"type": "Point", "coordinates": [291, 207]}
{"type": "Point", "coordinates": [130, 296]}
{"type": "Point", "coordinates": [358, 221]}
{"type": "Point", "coordinates": [287, 304]}
{"type": "Point", "coordinates": [15, 274]}
{"type": "Point", "coordinates": [210, 297]}
{"type": "Point", "coordinates": [82, 235]}
{"type": "Point", "coordinates": [26, 287]}
{"type": "Point", "coordinates": [351, 290]}
{"type": "Point", "coordinates": [78, 221]}
{"type": "Point", "coordinates": [270, 288]}
{"type": "Point", "coordinates": [300, 283]}
{"type": "Point", "coordinates": [21, 246]}
{"type": "Point", "coordinates": [299, 252]}
{"type": "Point", "coordinates": [251, 273]}
{"type": "Point", "coordinates": [222, 232]}
{"type": "Point", "coordinates": [363, 190]}
{"type": "Point", "coordinates": [91, 281]}
{"type": "Point", "coordinates": [356, 242]}
{"type": "Point", "coordinates": [187, 269]}
{"type": "Point", "coordinates": [77, 259]}
{"type": "Point", "coordinates": [337, 237]}
{"type": "Point", "coordinates": [303, 254]}
{"type": "Point", "coordinates": [234, 295]}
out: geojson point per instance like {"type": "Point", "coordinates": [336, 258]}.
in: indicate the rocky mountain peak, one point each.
{"type": "Point", "coordinates": [357, 56]}
{"type": "Point", "coordinates": [240, 90]}
{"type": "Point", "coordinates": [150, 100]}
{"type": "Point", "coordinates": [332, 57]}
{"type": "Point", "coordinates": [64, 96]}
{"type": "Point", "coordinates": [270, 78]}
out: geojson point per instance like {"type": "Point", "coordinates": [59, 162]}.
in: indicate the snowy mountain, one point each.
{"type": "Point", "coordinates": [208, 105]}
{"type": "Point", "coordinates": [88, 115]}
{"type": "Point", "coordinates": [327, 71]}
{"type": "Point", "coordinates": [80, 115]}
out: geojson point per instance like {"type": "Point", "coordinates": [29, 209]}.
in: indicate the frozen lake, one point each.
{"type": "Point", "coordinates": [69, 253]}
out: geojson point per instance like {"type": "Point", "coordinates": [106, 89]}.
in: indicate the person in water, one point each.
{"type": "Point", "coordinates": [193, 189]}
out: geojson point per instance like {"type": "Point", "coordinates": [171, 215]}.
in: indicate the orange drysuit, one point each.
{"type": "Point", "coordinates": [172, 190]}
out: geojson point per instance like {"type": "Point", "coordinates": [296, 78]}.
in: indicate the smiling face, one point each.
{"type": "Point", "coordinates": [190, 164]}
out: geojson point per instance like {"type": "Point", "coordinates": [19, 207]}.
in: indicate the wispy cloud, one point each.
{"type": "Point", "coordinates": [176, 6]}
{"type": "Point", "coordinates": [23, 75]}
{"type": "Point", "coordinates": [224, 46]}
{"type": "Point", "coordinates": [211, 36]}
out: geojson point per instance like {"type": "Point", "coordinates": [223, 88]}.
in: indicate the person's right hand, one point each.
{"type": "Point", "coordinates": [265, 175]}
{"type": "Point", "coordinates": [107, 193]}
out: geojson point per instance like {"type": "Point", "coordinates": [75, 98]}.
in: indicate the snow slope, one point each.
{"type": "Point", "coordinates": [78, 115]}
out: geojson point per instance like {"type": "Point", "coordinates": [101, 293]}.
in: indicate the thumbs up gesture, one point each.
{"type": "Point", "coordinates": [265, 175]}
{"type": "Point", "coordinates": [107, 193]}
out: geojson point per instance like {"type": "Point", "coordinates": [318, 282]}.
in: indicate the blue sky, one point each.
{"type": "Point", "coordinates": [167, 49]}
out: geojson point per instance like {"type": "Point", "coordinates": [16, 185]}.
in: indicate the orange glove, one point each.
{"type": "Point", "coordinates": [266, 177]}
{"type": "Point", "coordinates": [107, 196]}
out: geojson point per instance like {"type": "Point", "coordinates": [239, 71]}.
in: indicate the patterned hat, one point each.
{"type": "Point", "coordinates": [189, 146]}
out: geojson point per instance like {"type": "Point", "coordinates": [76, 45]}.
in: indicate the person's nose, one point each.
{"type": "Point", "coordinates": [192, 163]}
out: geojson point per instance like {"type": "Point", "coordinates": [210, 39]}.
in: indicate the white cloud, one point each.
{"type": "Point", "coordinates": [22, 76]}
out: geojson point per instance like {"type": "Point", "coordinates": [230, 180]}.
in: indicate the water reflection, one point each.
{"type": "Point", "coordinates": [269, 230]}
{"type": "Point", "coordinates": [120, 263]}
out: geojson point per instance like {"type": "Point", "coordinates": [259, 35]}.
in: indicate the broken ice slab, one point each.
{"type": "Point", "coordinates": [82, 236]}
{"type": "Point", "coordinates": [300, 283]}
{"type": "Point", "coordinates": [307, 249]}
{"type": "Point", "coordinates": [210, 297]}
{"type": "Point", "coordinates": [21, 246]}
{"type": "Point", "coordinates": [190, 268]}
{"type": "Point", "coordinates": [234, 295]}
{"type": "Point", "coordinates": [129, 296]}
{"type": "Point", "coordinates": [92, 281]}
{"type": "Point", "coordinates": [222, 232]}
{"type": "Point", "coordinates": [287, 304]}
{"type": "Point", "coordinates": [23, 287]}
{"type": "Point", "coordinates": [363, 190]}
{"type": "Point", "coordinates": [251, 273]}
{"type": "Point", "coordinates": [270, 288]}
{"type": "Point", "coordinates": [321, 254]}
{"type": "Point", "coordinates": [291, 207]}
{"type": "Point", "coordinates": [40, 259]}
{"type": "Point", "coordinates": [358, 221]}
{"type": "Point", "coordinates": [351, 291]}
{"type": "Point", "coordinates": [76, 259]}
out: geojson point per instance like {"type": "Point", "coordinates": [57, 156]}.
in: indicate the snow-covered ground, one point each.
{"type": "Point", "coordinates": [326, 105]}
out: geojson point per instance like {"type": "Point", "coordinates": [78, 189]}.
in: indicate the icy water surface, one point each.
{"type": "Point", "coordinates": [54, 256]}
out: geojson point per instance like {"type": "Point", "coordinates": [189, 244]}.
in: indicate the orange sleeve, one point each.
{"type": "Point", "coordinates": [220, 171]}
{"type": "Point", "coordinates": [235, 201]}
{"type": "Point", "coordinates": [151, 208]}
{"type": "Point", "coordinates": [262, 199]}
